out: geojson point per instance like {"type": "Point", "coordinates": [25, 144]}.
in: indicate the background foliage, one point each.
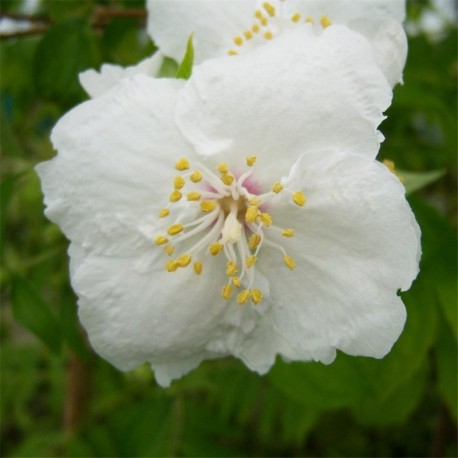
{"type": "Point", "coordinates": [59, 399]}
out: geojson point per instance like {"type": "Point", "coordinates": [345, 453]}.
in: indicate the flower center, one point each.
{"type": "Point", "coordinates": [231, 218]}
{"type": "Point", "coordinates": [269, 23]}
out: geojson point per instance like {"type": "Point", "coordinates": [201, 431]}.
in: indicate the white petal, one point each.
{"type": "Point", "coordinates": [213, 23]}
{"type": "Point", "coordinates": [106, 183]}
{"type": "Point", "coordinates": [96, 83]}
{"type": "Point", "coordinates": [311, 92]}
{"type": "Point", "coordinates": [357, 243]}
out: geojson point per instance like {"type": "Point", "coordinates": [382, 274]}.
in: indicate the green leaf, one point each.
{"type": "Point", "coordinates": [168, 68]}
{"type": "Point", "coordinates": [30, 310]}
{"type": "Point", "coordinates": [65, 50]}
{"type": "Point", "coordinates": [185, 68]}
{"type": "Point", "coordinates": [414, 181]}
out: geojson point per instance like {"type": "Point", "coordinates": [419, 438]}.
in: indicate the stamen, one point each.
{"type": "Point", "coordinates": [248, 34]}
{"type": "Point", "coordinates": [251, 214]}
{"type": "Point", "coordinates": [231, 268]}
{"type": "Point", "coordinates": [290, 262]}
{"type": "Point", "coordinates": [250, 160]}
{"type": "Point", "coordinates": [325, 22]}
{"type": "Point", "coordinates": [226, 292]}
{"type": "Point", "coordinates": [171, 266]}
{"type": "Point", "coordinates": [255, 28]}
{"type": "Point", "coordinates": [175, 196]}
{"type": "Point", "coordinates": [182, 164]}
{"type": "Point", "coordinates": [258, 14]}
{"type": "Point", "coordinates": [287, 233]}
{"type": "Point", "coordinates": [215, 248]}
{"type": "Point", "coordinates": [296, 17]}
{"type": "Point", "coordinates": [178, 182]}
{"type": "Point", "coordinates": [232, 52]}
{"type": "Point", "coordinates": [169, 249]}
{"type": "Point", "coordinates": [193, 196]}
{"type": "Point", "coordinates": [243, 296]}
{"type": "Point", "coordinates": [268, 35]}
{"type": "Point", "coordinates": [207, 206]}
{"type": "Point", "coordinates": [175, 229]}
{"type": "Point", "coordinates": [238, 41]}
{"type": "Point", "coordinates": [161, 240]}
{"type": "Point", "coordinates": [196, 176]}
{"type": "Point", "coordinates": [256, 296]}
{"type": "Point", "coordinates": [277, 187]}
{"type": "Point", "coordinates": [299, 198]}
{"type": "Point", "coordinates": [198, 267]}
{"type": "Point", "coordinates": [236, 282]}
{"type": "Point", "coordinates": [164, 212]}
{"type": "Point", "coordinates": [254, 241]}
{"type": "Point", "coordinates": [309, 20]}
{"type": "Point", "coordinates": [266, 219]}
{"type": "Point", "coordinates": [227, 179]}
{"type": "Point", "coordinates": [250, 261]}
{"type": "Point", "coordinates": [269, 8]}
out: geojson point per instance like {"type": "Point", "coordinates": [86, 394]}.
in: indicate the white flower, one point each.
{"type": "Point", "coordinates": [241, 212]}
{"type": "Point", "coordinates": [236, 26]}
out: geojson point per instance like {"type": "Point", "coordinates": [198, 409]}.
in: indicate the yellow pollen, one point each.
{"type": "Point", "coordinates": [264, 21]}
{"type": "Point", "coordinates": [251, 214]}
{"type": "Point", "coordinates": [178, 182]}
{"type": "Point", "coordinates": [232, 52]}
{"type": "Point", "coordinates": [184, 260]}
{"type": "Point", "coordinates": [231, 268]}
{"type": "Point", "coordinates": [227, 179]}
{"type": "Point", "coordinates": [250, 261]}
{"type": "Point", "coordinates": [182, 164]}
{"type": "Point", "coordinates": [266, 219]}
{"type": "Point", "coordinates": [290, 262]}
{"type": "Point", "coordinates": [215, 248]}
{"type": "Point", "coordinates": [309, 20]}
{"type": "Point", "coordinates": [171, 266]}
{"type": "Point", "coordinates": [269, 8]}
{"type": "Point", "coordinates": [325, 21]}
{"type": "Point", "coordinates": [254, 241]}
{"type": "Point", "coordinates": [256, 296]}
{"type": "Point", "coordinates": [161, 240]}
{"type": "Point", "coordinates": [248, 34]}
{"type": "Point", "coordinates": [258, 14]}
{"type": "Point", "coordinates": [299, 198]}
{"type": "Point", "coordinates": [250, 160]}
{"type": "Point", "coordinates": [207, 206]}
{"type": "Point", "coordinates": [243, 296]}
{"type": "Point", "coordinates": [255, 28]}
{"type": "Point", "coordinates": [194, 195]}
{"type": "Point", "coordinates": [268, 35]}
{"type": "Point", "coordinates": [296, 17]}
{"type": "Point", "coordinates": [164, 212]}
{"type": "Point", "coordinates": [236, 282]}
{"type": "Point", "coordinates": [277, 187]}
{"type": "Point", "coordinates": [169, 249]}
{"type": "Point", "coordinates": [238, 41]}
{"type": "Point", "coordinates": [198, 267]}
{"type": "Point", "coordinates": [175, 229]}
{"type": "Point", "coordinates": [226, 292]}
{"type": "Point", "coordinates": [254, 201]}
{"type": "Point", "coordinates": [222, 168]}
{"type": "Point", "coordinates": [287, 233]}
{"type": "Point", "coordinates": [196, 176]}
{"type": "Point", "coordinates": [175, 196]}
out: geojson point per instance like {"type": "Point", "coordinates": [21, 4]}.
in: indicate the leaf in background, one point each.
{"type": "Point", "coordinates": [415, 181]}
{"type": "Point", "coordinates": [168, 68]}
{"type": "Point", "coordinates": [66, 49]}
{"type": "Point", "coordinates": [185, 68]}
{"type": "Point", "coordinates": [67, 9]}
{"type": "Point", "coordinates": [32, 312]}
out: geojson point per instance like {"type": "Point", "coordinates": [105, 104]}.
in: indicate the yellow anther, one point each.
{"type": "Point", "coordinates": [290, 262]}
{"type": "Point", "coordinates": [182, 164]}
{"type": "Point", "coordinates": [277, 187]}
{"type": "Point", "coordinates": [264, 21]}
{"type": "Point", "coordinates": [175, 229]}
{"type": "Point", "coordinates": [222, 168]}
{"type": "Point", "coordinates": [256, 296]}
{"type": "Point", "coordinates": [251, 214]}
{"type": "Point", "coordinates": [227, 178]}
{"type": "Point", "coordinates": [258, 14]}
{"type": "Point", "coordinates": [250, 160]}
{"type": "Point", "coordinates": [196, 176]}
{"type": "Point", "coordinates": [198, 267]}
{"type": "Point", "coordinates": [390, 165]}
{"type": "Point", "coordinates": [236, 282]}
{"type": "Point", "coordinates": [287, 233]}
{"type": "Point", "coordinates": [255, 28]}
{"type": "Point", "coordinates": [161, 240]}
{"type": "Point", "coordinates": [269, 8]}
{"type": "Point", "coordinates": [169, 249]}
{"type": "Point", "coordinates": [325, 21]}
{"type": "Point", "coordinates": [226, 292]}
{"type": "Point", "coordinates": [309, 20]}
{"type": "Point", "coordinates": [231, 268]}
{"type": "Point", "coordinates": [243, 296]}
{"type": "Point", "coordinates": [251, 260]}
{"type": "Point", "coordinates": [193, 196]}
{"type": "Point", "coordinates": [248, 34]}
{"type": "Point", "coordinates": [254, 202]}
{"type": "Point", "coordinates": [175, 196]}
{"type": "Point", "coordinates": [178, 182]}
{"type": "Point", "coordinates": [232, 52]}
{"type": "Point", "coordinates": [215, 248]}
{"type": "Point", "coordinates": [164, 212]}
{"type": "Point", "coordinates": [268, 35]}
{"type": "Point", "coordinates": [266, 219]}
{"type": "Point", "coordinates": [171, 266]}
{"type": "Point", "coordinates": [254, 241]}
{"type": "Point", "coordinates": [299, 198]}
{"type": "Point", "coordinates": [296, 17]}
{"type": "Point", "coordinates": [184, 260]}
{"type": "Point", "coordinates": [207, 206]}
{"type": "Point", "coordinates": [238, 41]}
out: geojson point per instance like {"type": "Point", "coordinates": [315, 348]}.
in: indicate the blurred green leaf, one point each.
{"type": "Point", "coordinates": [32, 312]}
{"type": "Point", "coordinates": [185, 69]}
{"type": "Point", "coordinates": [66, 49]}
{"type": "Point", "coordinates": [60, 10]}
{"type": "Point", "coordinates": [168, 68]}
{"type": "Point", "coordinates": [414, 181]}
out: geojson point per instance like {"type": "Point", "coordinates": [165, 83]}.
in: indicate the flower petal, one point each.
{"type": "Point", "coordinates": [114, 152]}
{"type": "Point", "coordinates": [312, 92]}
